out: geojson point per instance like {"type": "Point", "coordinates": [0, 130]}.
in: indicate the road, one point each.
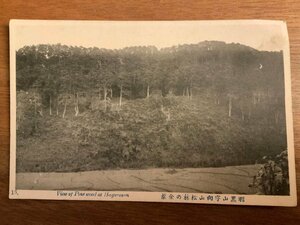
{"type": "Point", "coordinates": [226, 180]}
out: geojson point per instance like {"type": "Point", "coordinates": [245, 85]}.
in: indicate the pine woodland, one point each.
{"type": "Point", "coordinates": [210, 104]}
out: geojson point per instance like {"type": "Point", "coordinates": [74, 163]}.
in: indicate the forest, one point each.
{"type": "Point", "coordinates": [209, 104]}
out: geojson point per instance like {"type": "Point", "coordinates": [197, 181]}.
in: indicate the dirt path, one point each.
{"type": "Point", "coordinates": [228, 180]}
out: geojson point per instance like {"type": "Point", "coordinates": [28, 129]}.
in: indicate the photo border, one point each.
{"type": "Point", "coordinates": [263, 200]}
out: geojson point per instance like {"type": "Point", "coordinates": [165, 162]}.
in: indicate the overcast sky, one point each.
{"type": "Point", "coordinates": [264, 35]}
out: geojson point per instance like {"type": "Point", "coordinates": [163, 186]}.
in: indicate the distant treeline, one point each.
{"type": "Point", "coordinates": [234, 75]}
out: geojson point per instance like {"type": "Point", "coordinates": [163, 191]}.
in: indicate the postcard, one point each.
{"type": "Point", "coordinates": [152, 111]}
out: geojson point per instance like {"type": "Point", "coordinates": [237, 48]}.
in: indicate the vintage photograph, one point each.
{"type": "Point", "coordinates": [152, 107]}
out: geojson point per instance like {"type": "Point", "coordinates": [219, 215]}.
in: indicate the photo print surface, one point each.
{"type": "Point", "coordinates": [143, 111]}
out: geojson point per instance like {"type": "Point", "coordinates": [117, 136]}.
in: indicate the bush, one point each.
{"type": "Point", "coordinates": [273, 177]}
{"type": "Point", "coordinates": [29, 113]}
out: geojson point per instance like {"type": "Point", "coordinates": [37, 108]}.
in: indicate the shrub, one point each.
{"type": "Point", "coordinates": [272, 178]}
{"type": "Point", "coordinates": [29, 113]}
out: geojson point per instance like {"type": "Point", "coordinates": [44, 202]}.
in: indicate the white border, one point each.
{"type": "Point", "coordinates": [152, 196]}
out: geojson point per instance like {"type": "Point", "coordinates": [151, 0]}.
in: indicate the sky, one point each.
{"type": "Point", "coordinates": [262, 35]}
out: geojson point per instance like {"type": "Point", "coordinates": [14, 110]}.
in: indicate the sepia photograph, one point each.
{"type": "Point", "coordinates": [152, 111]}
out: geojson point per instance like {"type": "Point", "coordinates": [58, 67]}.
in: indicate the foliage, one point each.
{"type": "Point", "coordinates": [273, 177]}
{"type": "Point", "coordinates": [198, 134]}
{"type": "Point", "coordinates": [216, 66]}
{"type": "Point", "coordinates": [29, 113]}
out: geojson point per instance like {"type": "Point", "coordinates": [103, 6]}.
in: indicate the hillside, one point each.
{"type": "Point", "coordinates": [195, 133]}
{"type": "Point", "coordinates": [210, 104]}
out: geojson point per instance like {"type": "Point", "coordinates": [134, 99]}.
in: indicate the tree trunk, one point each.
{"type": "Point", "coordinates": [243, 115]}
{"type": "Point", "coordinates": [41, 112]}
{"type": "Point", "coordinates": [65, 109]}
{"type": "Point", "coordinates": [120, 101]}
{"type": "Point", "coordinates": [186, 92]}
{"type": "Point", "coordinates": [99, 94]}
{"type": "Point", "coordinates": [148, 91]}
{"type": "Point", "coordinates": [76, 105]}
{"type": "Point", "coordinates": [276, 117]}
{"type": "Point", "coordinates": [229, 106]}
{"type": "Point", "coordinates": [166, 113]}
{"type": "Point", "coordinates": [35, 115]}
{"type": "Point", "coordinates": [50, 106]}
{"type": "Point", "coordinates": [35, 107]}
{"type": "Point", "coordinates": [111, 93]}
{"type": "Point", "coordinates": [254, 99]}
{"type": "Point", "coordinates": [57, 107]}
{"type": "Point", "coordinates": [105, 98]}
{"type": "Point", "coordinates": [191, 94]}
